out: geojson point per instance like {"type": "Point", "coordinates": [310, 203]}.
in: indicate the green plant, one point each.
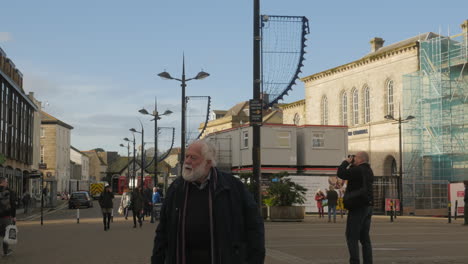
{"type": "Point", "coordinates": [285, 192]}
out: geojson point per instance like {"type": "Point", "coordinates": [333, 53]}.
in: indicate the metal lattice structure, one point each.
{"type": "Point", "coordinates": [435, 145]}
{"type": "Point", "coordinates": [166, 136]}
{"type": "Point", "coordinates": [198, 110]}
{"type": "Point", "coordinates": [283, 48]}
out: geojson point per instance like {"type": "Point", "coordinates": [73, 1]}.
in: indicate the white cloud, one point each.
{"type": "Point", "coordinates": [5, 36]}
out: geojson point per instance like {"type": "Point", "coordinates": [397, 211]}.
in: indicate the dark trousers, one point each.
{"type": "Point", "coordinates": [106, 218]}
{"type": "Point", "coordinates": [466, 213]}
{"type": "Point", "coordinates": [357, 230]}
{"type": "Point", "coordinates": [137, 214]}
{"type": "Point", "coordinates": [4, 222]}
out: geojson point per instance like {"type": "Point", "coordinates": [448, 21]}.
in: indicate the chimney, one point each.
{"type": "Point", "coordinates": [376, 44]}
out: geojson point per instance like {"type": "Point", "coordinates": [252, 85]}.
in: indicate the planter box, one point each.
{"type": "Point", "coordinates": [287, 213]}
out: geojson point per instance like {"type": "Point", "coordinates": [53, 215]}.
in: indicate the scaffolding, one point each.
{"type": "Point", "coordinates": [435, 151]}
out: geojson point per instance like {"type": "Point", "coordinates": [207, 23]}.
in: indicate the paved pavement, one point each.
{"type": "Point", "coordinates": [314, 241]}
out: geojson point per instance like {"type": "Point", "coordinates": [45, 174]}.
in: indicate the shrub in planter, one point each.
{"type": "Point", "coordinates": [284, 196]}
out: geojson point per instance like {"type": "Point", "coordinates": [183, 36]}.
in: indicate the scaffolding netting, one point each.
{"type": "Point", "coordinates": [197, 113]}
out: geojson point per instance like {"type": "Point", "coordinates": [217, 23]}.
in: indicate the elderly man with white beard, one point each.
{"type": "Point", "coordinates": [208, 216]}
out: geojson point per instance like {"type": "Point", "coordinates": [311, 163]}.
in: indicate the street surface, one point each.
{"type": "Point", "coordinates": [314, 241]}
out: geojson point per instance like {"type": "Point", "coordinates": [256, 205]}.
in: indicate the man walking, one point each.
{"type": "Point", "coordinates": [358, 199]}
{"type": "Point", "coordinates": [208, 216]}
{"type": "Point", "coordinates": [7, 211]}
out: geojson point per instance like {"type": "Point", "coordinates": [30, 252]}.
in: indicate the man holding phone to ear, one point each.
{"type": "Point", "coordinates": [358, 199]}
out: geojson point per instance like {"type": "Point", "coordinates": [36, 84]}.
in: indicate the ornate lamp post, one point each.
{"type": "Point", "coordinates": [183, 80]}
{"type": "Point", "coordinates": [156, 116]}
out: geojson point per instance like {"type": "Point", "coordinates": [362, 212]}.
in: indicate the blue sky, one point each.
{"type": "Point", "coordinates": [95, 62]}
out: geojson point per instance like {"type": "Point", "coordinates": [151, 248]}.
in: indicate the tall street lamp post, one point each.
{"type": "Point", "coordinates": [128, 160]}
{"type": "Point", "coordinates": [134, 171]}
{"type": "Point", "coordinates": [142, 132]}
{"type": "Point", "coordinates": [156, 116]}
{"type": "Point", "coordinates": [399, 120]}
{"type": "Point", "coordinates": [166, 75]}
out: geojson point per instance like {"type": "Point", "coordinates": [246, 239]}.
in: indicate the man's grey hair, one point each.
{"type": "Point", "coordinates": [364, 156]}
{"type": "Point", "coordinates": [208, 150]}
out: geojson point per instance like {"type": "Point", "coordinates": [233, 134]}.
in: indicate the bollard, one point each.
{"type": "Point", "coordinates": [449, 213]}
{"type": "Point", "coordinates": [456, 209]}
{"type": "Point", "coordinates": [391, 211]}
{"type": "Point", "coordinates": [78, 215]}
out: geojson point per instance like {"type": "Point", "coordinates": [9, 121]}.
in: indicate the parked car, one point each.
{"type": "Point", "coordinates": [79, 199]}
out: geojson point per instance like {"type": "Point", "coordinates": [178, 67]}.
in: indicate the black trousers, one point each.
{"type": "Point", "coordinates": [106, 218]}
{"type": "Point", "coordinates": [137, 214]}
{"type": "Point", "coordinates": [357, 230]}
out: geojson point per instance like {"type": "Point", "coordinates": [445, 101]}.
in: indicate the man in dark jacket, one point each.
{"type": "Point", "coordinates": [7, 211]}
{"type": "Point", "coordinates": [332, 197]}
{"type": "Point", "coordinates": [358, 199]}
{"type": "Point", "coordinates": [107, 205]}
{"type": "Point", "coordinates": [208, 216]}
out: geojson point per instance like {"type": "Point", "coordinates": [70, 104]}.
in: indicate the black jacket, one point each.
{"type": "Point", "coordinates": [359, 187]}
{"type": "Point", "coordinates": [137, 200]}
{"type": "Point", "coordinates": [239, 235]}
{"type": "Point", "coordinates": [12, 196]}
{"type": "Point", "coordinates": [105, 199]}
{"type": "Point", "coordinates": [332, 197]}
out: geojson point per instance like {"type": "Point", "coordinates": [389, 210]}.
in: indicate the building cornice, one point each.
{"type": "Point", "coordinates": [293, 104]}
{"type": "Point", "coordinates": [362, 62]}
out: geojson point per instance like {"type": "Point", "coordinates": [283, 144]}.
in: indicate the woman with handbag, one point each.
{"type": "Point", "coordinates": [319, 197]}
{"type": "Point", "coordinates": [125, 203]}
{"type": "Point", "coordinates": [7, 212]}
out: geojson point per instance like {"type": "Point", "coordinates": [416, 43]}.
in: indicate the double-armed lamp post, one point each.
{"type": "Point", "coordinates": [134, 171]}
{"type": "Point", "coordinates": [400, 120]}
{"type": "Point", "coordinates": [183, 80]}
{"type": "Point", "coordinates": [142, 132]}
{"type": "Point", "coordinates": [156, 116]}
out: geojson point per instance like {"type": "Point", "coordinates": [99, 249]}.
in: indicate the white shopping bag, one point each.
{"type": "Point", "coordinates": [11, 233]}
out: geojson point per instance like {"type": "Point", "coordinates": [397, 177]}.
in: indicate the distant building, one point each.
{"type": "Point", "coordinates": [97, 165]}
{"type": "Point", "coordinates": [55, 151]}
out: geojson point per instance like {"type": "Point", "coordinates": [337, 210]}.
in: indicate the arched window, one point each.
{"type": "Point", "coordinates": [297, 119]}
{"type": "Point", "coordinates": [324, 110]}
{"type": "Point", "coordinates": [344, 109]}
{"type": "Point", "coordinates": [390, 103]}
{"type": "Point", "coordinates": [394, 171]}
{"type": "Point", "coordinates": [366, 105]}
{"type": "Point", "coordinates": [355, 107]}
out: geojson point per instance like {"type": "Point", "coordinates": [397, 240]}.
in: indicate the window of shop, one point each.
{"type": "Point", "coordinates": [318, 140]}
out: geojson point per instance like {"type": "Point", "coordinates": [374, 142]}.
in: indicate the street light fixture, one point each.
{"type": "Point", "coordinates": [128, 159]}
{"type": "Point", "coordinates": [400, 120]}
{"type": "Point", "coordinates": [142, 132]}
{"type": "Point", "coordinates": [156, 116]}
{"type": "Point", "coordinates": [165, 75]}
{"type": "Point", "coordinates": [134, 172]}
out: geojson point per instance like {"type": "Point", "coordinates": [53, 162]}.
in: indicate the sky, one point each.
{"type": "Point", "coordinates": [94, 64]}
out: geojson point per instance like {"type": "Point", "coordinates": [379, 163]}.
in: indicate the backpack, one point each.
{"type": "Point", "coordinates": [5, 205]}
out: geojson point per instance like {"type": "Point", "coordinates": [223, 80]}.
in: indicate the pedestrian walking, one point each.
{"type": "Point", "coordinates": [358, 199]}
{"type": "Point", "coordinates": [7, 211]}
{"type": "Point", "coordinates": [148, 201]}
{"type": "Point", "coordinates": [107, 205]}
{"type": "Point", "coordinates": [465, 199]}
{"type": "Point", "coordinates": [332, 197]}
{"type": "Point", "coordinates": [138, 203]}
{"type": "Point", "coordinates": [26, 201]}
{"type": "Point", "coordinates": [319, 197]}
{"type": "Point", "coordinates": [125, 202]}
{"type": "Point", "coordinates": [156, 201]}
{"type": "Point", "coordinates": [208, 216]}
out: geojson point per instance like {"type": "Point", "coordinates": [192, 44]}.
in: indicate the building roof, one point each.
{"type": "Point", "coordinates": [49, 119]}
{"type": "Point", "coordinates": [91, 152]}
{"type": "Point", "coordinates": [75, 149]}
{"type": "Point", "coordinates": [236, 110]}
{"type": "Point", "coordinates": [383, 51]}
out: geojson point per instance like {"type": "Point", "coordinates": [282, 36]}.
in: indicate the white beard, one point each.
{"type": "Point", "coordinates": [189, 174]}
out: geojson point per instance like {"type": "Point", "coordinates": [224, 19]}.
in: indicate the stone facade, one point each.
{"type": "Point", "coordinates": [373, 89]}
{"type": "Point", "coordinates": [294, 113]}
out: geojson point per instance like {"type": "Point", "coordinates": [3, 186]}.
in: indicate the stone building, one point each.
{"type": "Point", "coordinates": [55, 138]}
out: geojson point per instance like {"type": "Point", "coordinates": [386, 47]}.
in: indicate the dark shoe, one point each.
{"type": "Point", "coordinates": [141, 224]}
{"type": "Point", "coordinates": [8, 253]}
{"type": "Point", "coordinates": [134, 226]}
